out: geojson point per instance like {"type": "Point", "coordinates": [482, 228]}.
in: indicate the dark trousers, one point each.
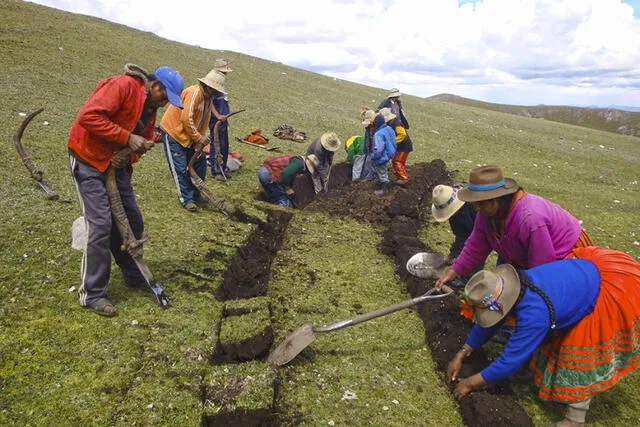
{"type": "Point", "coordinates": [103, 238]}
{"type": "Point", "coordinates": [224, 149]}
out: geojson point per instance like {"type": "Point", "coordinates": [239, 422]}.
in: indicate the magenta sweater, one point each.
{"type": "Point", "coordinates": [536, 231]}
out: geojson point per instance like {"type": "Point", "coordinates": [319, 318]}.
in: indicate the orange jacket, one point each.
{"type": "Point", "coordinates": [192, 123]}
{"type": "Point", "coordinates": [104, 123]}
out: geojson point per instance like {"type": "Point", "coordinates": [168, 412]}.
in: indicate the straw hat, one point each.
{"type": "Point", "coordinates": [222, 65]}
{"type": "Point", "coordinates": [367, 117]}
{"type": "Point", "coordinates": [330, 141]}
{"type": "Point", "coordinates": [394, 93]}
{"type": "Point", "coordinates": [445, 202]}
{"type": "Point", "coordinates": [387, 114]}
{"type": "Point", "coordinates": [215, 80]}
{"type": "Point", "coordinates": [492, 294]}
{"type": "Point", "coordinates": [311, 161]}
{"type": "Point", "coordinates": [486, 183]}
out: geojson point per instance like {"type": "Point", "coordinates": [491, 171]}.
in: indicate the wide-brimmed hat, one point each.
{"type": "Point", "coordinates": [394, 93]}
{"type": "Point", "coordinates": [330, 141]}
{"type": "Point", "coordinates": [486, 183]}
{"type": "Point", "coordinates": [492, 294]}
{"type": "Point", "coordinates": [444, 202]}
{"type": "Point", "coordinates": [311, 162]}
{"type": "Point", "coordinates": [387, 114]}
{"type": "Point", "coordinates": [222, 65]}
{"type": "Point", "coordinates": [367, 117]}
{"type": "Point", "coordinates": [214, 79]}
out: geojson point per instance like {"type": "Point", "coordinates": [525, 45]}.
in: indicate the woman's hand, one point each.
{"type": "Point", "coordinates": [448, 276]}
{"type": "Point", "coordinates": [453, 369]}
{"type": "Point", "coordinates": [463, 388]}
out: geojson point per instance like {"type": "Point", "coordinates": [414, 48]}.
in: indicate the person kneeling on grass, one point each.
{"type": "Point", "coordinates": [277, 173]}
{"type": "Point", "coordinates": [576, 323]}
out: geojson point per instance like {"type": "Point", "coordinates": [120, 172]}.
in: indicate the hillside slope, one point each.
{"type": "Point", "coordinates": [607, 119]}
{"type": "Point", "coordinates": [62, 365]}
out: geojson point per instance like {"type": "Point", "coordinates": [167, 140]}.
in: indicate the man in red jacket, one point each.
{"type": "Point", "coordinates": [120, 112]}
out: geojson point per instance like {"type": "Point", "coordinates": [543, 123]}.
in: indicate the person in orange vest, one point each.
{"type": "Point", "coordinates": [185, 131]}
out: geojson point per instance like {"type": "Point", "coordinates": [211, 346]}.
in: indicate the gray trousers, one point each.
{"type": "Point", "coordinates": [356, 169]}
{"type": "Point", "coordinates": [103, 237]}
{"type": "Point", "coordinates": [381, 171]}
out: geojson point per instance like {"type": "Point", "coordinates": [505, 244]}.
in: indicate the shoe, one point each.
{"type": "Point", "coordinates": [402, 181]}
{"type": "Point", "coordinates": [383, 190]}
{"type": "Point", "coordinates": [190, 206]}
{"type": "Point", "coordinates": [103, 307]}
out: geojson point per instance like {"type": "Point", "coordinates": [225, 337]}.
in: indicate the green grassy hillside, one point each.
{"type": "Point", "coordinates": [61, 364]}
{"type": "Point", "coordinates": [608, 119]}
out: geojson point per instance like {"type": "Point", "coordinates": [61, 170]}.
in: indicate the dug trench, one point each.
{"type": "Point", "coordinates": [401, 215]}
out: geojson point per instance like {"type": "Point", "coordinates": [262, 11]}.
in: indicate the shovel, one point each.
{"type": "Point", "coordinates": [302, 337]}
{"type": "Point", "coordinates": [257, 145]}
{"type": "Point", "coordinates": [426, 265]}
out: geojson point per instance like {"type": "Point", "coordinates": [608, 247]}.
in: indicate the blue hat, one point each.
{"type": "Point", "coordinates": [173, 82]}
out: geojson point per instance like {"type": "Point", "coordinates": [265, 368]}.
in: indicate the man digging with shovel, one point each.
{"type": "Point", "coordinates": [119, 114]}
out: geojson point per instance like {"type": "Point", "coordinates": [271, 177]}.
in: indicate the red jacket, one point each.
{"type": "Point", "coordinates": [105, 121]}
{"type": "Point", "coordinates": [276, 164]}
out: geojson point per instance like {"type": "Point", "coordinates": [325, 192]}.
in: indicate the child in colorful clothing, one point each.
{"type": "Point", "coordinates": [576, 321]}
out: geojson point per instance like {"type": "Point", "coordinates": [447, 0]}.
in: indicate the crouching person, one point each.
{"type": "Point", "coordinates": [277, 173]}
{"type": "Point", "coordinates": [577, 326]}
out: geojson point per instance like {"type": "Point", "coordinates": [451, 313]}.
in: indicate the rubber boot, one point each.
{"type": "Point", "coordinates": [383, 190]}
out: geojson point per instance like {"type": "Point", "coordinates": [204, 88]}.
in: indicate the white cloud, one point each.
{"type": "Point", "coordinates": [516, 51]}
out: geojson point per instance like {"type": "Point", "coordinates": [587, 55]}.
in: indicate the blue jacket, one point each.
{"type": "Point", "coordinates": [384, 142]}
{"type": "Point", "coordinates": [572, 285]}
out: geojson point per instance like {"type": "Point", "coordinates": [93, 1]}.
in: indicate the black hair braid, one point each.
{"type": "Point", "coordinates": [525, 282]}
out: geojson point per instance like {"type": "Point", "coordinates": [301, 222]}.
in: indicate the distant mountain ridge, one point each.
{"type": "Point", "coordinates": [607, 119]}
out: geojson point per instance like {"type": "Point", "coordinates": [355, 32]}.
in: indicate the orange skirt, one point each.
{"type": "Point", "coordinates": [604, 346]}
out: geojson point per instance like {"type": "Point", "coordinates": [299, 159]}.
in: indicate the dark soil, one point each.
{"type": "Point", "coordinates": [402, 213]}
{"type": "Point", "coordinates": [247, 275]}
{"type": "Point", "coordinates": [240, 418]}
{"type": "Point", "coordinates": [255, 347]}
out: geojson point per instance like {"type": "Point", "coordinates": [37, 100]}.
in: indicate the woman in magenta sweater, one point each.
{"type": "Point", "coordinates": [524, 229]}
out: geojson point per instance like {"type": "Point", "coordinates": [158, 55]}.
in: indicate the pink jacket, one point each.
{"type": "Point", "coordinates": [536, 231]}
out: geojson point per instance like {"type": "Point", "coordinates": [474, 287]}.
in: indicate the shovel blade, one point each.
{"type": "Point", "coordinates": [426, 265]}
{"type": "Point", "coordinates": [293, 345]}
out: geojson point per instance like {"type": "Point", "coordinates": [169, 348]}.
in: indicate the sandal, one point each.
{"type": "Point", "coordinates": [103, 307]}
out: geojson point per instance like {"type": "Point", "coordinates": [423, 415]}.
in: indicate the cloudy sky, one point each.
{"type": "Point", "coordinates": [569, 52]}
